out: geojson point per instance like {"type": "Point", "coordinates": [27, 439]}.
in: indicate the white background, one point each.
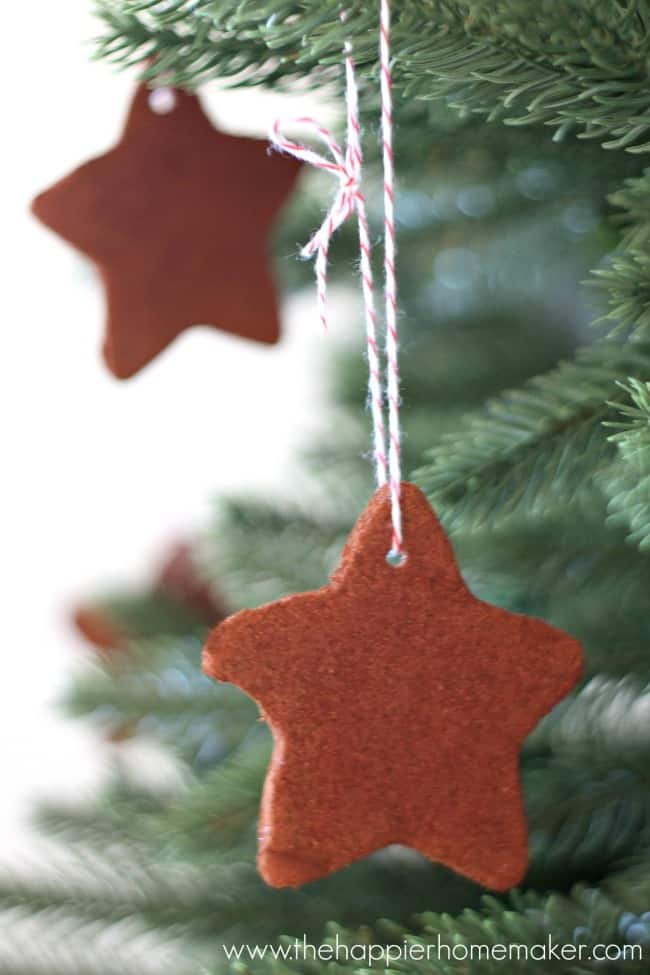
{"type": "Point", "coordinates": [98, 475]}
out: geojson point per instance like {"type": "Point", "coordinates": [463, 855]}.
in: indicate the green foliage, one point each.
{"type": "Point", "coordinates": [173, 701]}
{"type": "Point", "coordinates": [535, 442]}
{"type": "Point", "coordinates": [572, 65]}
{"type": "Point", "coordinates": [628, 482]}
{"type": "Point", "coordinates": [142, 615]}
{"type": "Point", "coordinates": [585, 770]}
{"type": "Point", "coordinates": [588, 916]}
{"type": "Point", "coordinates": [263, 553]}
{"type": "Point", "coordinates": [627, 281]}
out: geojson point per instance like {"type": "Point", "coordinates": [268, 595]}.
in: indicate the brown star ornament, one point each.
{"type": "Point", "coordinates": [398, 703]}
{"type": "Point", "coordinates": [177, 218]}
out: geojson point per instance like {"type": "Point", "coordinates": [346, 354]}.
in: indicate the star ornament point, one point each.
{"type": "Point", "coordinates": [398, 703]}
{"type": "Point", "coordinates": [177, 218]}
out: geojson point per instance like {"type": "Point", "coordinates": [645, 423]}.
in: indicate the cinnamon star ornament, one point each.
{"type": "Point", "coordinates": [177, 218]}
{"type": "Point", "coordinates": [398, 703]}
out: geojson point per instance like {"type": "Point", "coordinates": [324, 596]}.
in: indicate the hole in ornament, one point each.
{"type": "Point", "coordinates": [162, 100]}
{"type": "Point", "coordinates": [396, 559]}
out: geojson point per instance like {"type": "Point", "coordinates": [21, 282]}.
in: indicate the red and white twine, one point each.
{"type": "Point", "coordinates": [347, 167]}
{"type": "Point", "coordinates": [390, 278]}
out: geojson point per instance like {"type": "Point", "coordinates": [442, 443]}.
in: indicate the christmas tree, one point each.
{"type": "Point", "coordinates": [522, 218]}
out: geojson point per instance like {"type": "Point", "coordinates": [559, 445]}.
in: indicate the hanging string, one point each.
{"type": "Point", "coordinates": [390, 283]}
{"type": "Point", "coordinates": [347, 168]}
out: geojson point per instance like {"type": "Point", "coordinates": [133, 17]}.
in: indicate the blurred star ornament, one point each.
{"type": "Point", "coordinates": [177, 219]}
{"type": "Point", "coordinates": [110, 624]}
{"type": "Point", "coordinates": [180, 579]}
{"type": "Point", "coordinates": [97, 627]}
{"type": "Point", "coordinates": [398, 703]}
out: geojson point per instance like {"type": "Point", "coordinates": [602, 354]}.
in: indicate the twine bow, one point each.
{"type": "Point", "coordinates": [347, 168]}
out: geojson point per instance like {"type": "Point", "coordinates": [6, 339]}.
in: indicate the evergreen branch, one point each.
{"type": "Point", "coordinates": [587, 788]}
{"type": "Point", "coordinates": [626, 280]}
{"type": "Point", "coordinates": [627, 283]}
{"type": "Point", "coordinates": [538, 440]}
{"type": "Point", "coordinates": [627, 483]}
{"type": "Point", "coordinates": [119, 817]}
{"type": "Point", "coordinates": [585, 815]}
{"type": "Point", "coordinates": [205, 903]}
{"type": "Point", "coordinates": [159, 689]}
{"type": "Point", "coordinates": [261, 552]}
{"type": "Point", "coordinates": [219, 810]}
{"type": "Point", "coordinates": [55, 943]}
{"type": "Point", "coordinates": [605, 718]}
{"type": "Point", "coordinates": [433, 359]}
{"type": "Point", "coordinates": [33, 952]}
{"type": "Point", "coordinates": [157, 903]}
{"type": "Point", "coordinates": [182, 900]}
{"type": "Point", "coordinates": [585, 769]}
{"type": "Point", "coordinates": [588, 916]}
{"type": "Point", "coordinates": [571, 569]}
{"type": "Point", "coordinates": [136, 693]}
{"type": "Point", "coordinates": [148, 615]}
{"type": "Point", "coordinates": [576, 64]}
{"type": "Point", "coordinates": [633, 202]}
